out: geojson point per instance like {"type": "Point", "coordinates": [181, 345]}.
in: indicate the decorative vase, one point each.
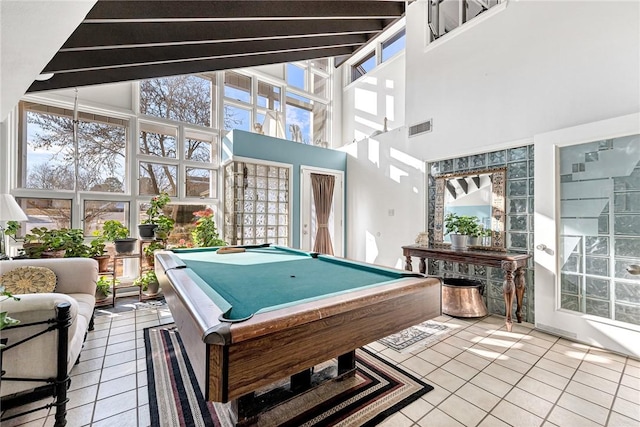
{"type": "Point", "coordinates": [474, 241]}
{"type": "Point", "coordinates": [459, 242]}
{"type": "Point", "coordinates": [145, 231]}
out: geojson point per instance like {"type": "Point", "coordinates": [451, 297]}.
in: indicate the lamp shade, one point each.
{"type": "Point", "coordinates": [10, 210]}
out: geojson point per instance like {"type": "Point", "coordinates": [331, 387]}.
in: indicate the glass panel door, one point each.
{"type": "Point", "coordinates": [600, 228]}
{"type": "Point", "coordinates": [587, 233]}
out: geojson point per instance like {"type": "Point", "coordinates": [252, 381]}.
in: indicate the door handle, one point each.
{"type": "Point", "coordinates": [544, 248]}
{"type": "Point", "coordinates": [633, 269]}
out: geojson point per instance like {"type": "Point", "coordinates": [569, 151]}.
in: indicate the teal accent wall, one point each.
{"type": "Point", "coordinates": [251, 145]}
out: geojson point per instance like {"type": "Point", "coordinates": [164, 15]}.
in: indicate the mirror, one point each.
{"type": "Point", "coordinates": [478, 193]}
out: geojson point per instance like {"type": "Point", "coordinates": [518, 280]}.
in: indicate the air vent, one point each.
{"type": "Point", "coordinates": [421, 128]}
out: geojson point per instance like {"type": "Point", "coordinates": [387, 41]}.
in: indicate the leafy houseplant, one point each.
{"type": "Point", "coordinates": [150, 249]}
{"type": "Point", "coordinates": [103, 287]}
{"type": "Point", "coordinates": [117, 233]}
{"type": "Point", "coordinates": [96, 251]}
{"type": "Point", "coordinates": [205, 233]}
{"type": "Point", "coordinates": [5, 320]}
{"type": "Point", "coordinates": [42, 242]}
{"type": "Point", "coordinates": [154, 215]}
{"type": "Point", "coordinates": [460, 227]}
{"type": "Point", "coordinates": [164, 226]}
{"type": "Point", "coordinates": [149, 281]}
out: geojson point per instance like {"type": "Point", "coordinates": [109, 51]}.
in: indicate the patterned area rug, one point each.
{"type": "Point", "coordinates": [377, 391]}
{"type": "Point", "coordinates": [421, 335]}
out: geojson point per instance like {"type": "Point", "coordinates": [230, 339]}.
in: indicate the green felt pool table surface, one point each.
{"type": "Point", "coordinates": [266, 278]}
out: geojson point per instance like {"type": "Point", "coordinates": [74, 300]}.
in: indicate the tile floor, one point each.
{"type": "Point", "coordinates": [482, 375]}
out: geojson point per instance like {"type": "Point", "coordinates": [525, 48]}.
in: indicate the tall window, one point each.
{"type": "Point", "coordinates": [363, 66]}
{"type": "Point", "coordinates": [181, 98]}
{"type": "Point", "coordinates": [173, 158]}
{"type": "Point", "coordinates": [50, 159]}
{"type": "Point", "coordinates": [393, 45]}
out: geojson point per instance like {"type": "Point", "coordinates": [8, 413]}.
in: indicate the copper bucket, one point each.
{"type": "Point", "coordinates": [463, 298]}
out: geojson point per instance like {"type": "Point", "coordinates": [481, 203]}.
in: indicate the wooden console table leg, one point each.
{"type": "Point", "coordinates": [423, 266]}
{"type": "Point", "coordinates": [520, 285]}
{"type": "Point", "coordinates": [407, 263]}
{"type": "Point", "coordinates": [509, 291]}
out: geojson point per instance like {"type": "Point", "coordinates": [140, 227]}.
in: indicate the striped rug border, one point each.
{"type": "Point", "coordinates": [382, 390]}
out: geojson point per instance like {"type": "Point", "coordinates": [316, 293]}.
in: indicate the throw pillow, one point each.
{"type": "Point", "coordinates": [29, 280]}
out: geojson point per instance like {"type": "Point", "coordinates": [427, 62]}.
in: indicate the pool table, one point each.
{"type": "Point", "coordinates": [265, 313]}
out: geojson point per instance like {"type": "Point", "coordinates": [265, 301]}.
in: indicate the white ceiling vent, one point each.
{"type": "Point", "coordinates": [421, 128]}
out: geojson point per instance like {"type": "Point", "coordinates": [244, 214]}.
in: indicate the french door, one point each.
{"type": "Point", "coordinates": [309, 216]}
{"type": "Point", "coordinates": [587, 233]}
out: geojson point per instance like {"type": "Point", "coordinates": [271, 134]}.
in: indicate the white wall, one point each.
{"type": "Point", "coordinates": [520, 70]}
{"type": "Point", "coordinates": [371, 98]}
{"type": "Point", "coordinates": [112, 98]}
{"type": "Point", "coordinates": [31, 32]}
{"type": "Point", "coordinates": [385, 198]}
{"type": "Point", "coordinates": [533, 67]}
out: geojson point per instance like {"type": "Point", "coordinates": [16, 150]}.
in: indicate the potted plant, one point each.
{"type": "Point", "coordinates": [150, 249]}
{"type": "Point", "coordinates": [149, 282]}
{"type": "Point", "coordinates": [205, 233]}
{"type": "Point", "coordinates": [74, 246]}
{"type": "Point", "coordinates": [45, 243]}
{"type": "Point", "coordinates": [154, 213]}
{"type": "Point", "coordinates": [96, 251]}
{"type": "Point", "coordinates": [459, 228]}
{"type": "Point", "coordinates": [117, 233]}
{"type": "Point", "coordinates": [164, 226]}
{"type": "Point", "coordinates": [103, 287]}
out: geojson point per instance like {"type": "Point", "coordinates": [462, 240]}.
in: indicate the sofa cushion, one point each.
{"type": "Point", "coordinates": [29, 280]}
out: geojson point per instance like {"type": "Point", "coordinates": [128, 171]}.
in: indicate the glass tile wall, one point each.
{"type": "Point", "coordinates": [256, 204]}
{"type": "Point", "coordinates": [600, 228]}
{"type": "Point", "coordinates": [519, 221]}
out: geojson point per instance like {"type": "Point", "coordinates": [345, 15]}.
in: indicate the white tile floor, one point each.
{"type": "Point", "coordinates": [482, 376]}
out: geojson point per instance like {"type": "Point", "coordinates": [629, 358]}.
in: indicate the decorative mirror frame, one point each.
{"type": "Point", "coordinates": [498, 205]}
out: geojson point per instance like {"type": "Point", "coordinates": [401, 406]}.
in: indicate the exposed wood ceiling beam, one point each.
{"type": "Point", "coordinates": [85, 78]}
{"type": "Point", "coordinates": [134, 40]}
{"type": "Point", "coordinates": [92, 60]}
{"type": "Point", "coordinates": [154, 10]}
{"type": "Point", "coordinates": [110, 36]}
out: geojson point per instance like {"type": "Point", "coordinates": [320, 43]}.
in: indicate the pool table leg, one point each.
{"type": "Point", "coordinates": [347, 364]}
{"type": "Point", "coordinates": [301, 381]}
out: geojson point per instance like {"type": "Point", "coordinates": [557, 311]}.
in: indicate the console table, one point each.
{"type": "Point", "coordinates": [512, 264]}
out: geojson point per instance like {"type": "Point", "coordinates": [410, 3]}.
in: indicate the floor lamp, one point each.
{"type": "Point", "coordinates": [9, 211]}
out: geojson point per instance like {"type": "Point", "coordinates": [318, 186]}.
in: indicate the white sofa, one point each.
{"type": "Point", "coordinates": [37, 358]}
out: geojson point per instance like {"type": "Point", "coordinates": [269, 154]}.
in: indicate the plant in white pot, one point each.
{"type": "Point", "coordinates": [459, 228]}
{"type": "Point", "coordinates": [149, 282]}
